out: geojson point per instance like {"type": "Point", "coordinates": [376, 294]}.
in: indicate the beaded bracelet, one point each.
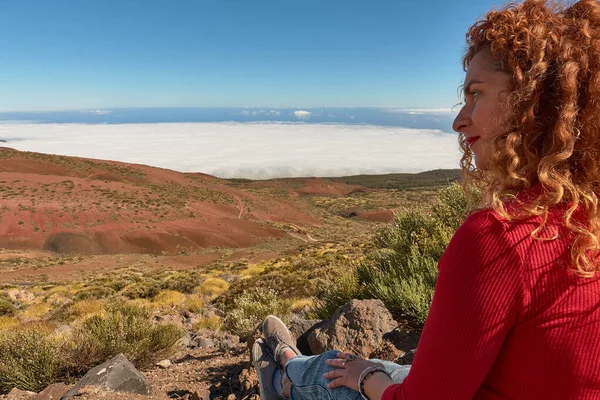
{"type": "Point", "coordinates": [363, 377]}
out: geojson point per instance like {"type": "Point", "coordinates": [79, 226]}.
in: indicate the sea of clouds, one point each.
{"type": "Point", "coordinates": [258, 150]}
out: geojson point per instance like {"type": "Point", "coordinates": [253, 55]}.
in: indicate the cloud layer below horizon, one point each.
{"type": "Point", "coordinates": [246, 150]}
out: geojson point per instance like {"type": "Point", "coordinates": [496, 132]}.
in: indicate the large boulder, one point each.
{"type": "Point", "coordinates": [117, 375]}
{"type": "Point", "coordinates": [357, 327]}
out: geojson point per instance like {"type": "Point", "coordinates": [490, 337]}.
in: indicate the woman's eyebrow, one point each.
{"type": "Point", "coordinates": [471, 82]}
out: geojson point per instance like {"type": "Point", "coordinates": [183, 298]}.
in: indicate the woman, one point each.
{"type": "Point", "coordinates": [516, 309]}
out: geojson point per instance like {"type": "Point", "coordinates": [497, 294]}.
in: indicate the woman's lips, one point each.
{"type": "Point", "coordinates": [472, 139]}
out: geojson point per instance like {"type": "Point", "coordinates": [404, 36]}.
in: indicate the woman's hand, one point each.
{"type": "Point", "coordinates": [349, 367]}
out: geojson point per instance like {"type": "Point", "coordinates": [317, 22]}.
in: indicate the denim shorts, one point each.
{"type": "Point", "coordinates": [306, 375]}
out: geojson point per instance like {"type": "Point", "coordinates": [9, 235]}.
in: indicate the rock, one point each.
{"type": "Point", "coordinates": [18, 394]}
{"type": "Point", "coordinates": [198, 395]}
{"type": "Point", "coordinates": [387, 351]}
{"type": "Point", "coordinates": [357, 327]}
{"type": "Point", "coordinates": [166, 319]}
{"type": "Point", "coordinates": [301, 330]}
{"type": "Point", "coordinates": [205, 343]}
{"type": "Point", "coordinates": [248, 380]}
{"type": "Point", "coordinates": [235, 339]}
{"type": "Point", "coordinates": [164, 364]}
{"type": "Point", "coordinates": [185, 341]}
{"type": "Point", "coordinates": [403, 340]}
{"type": "Point", "coordinates": [20, 296]}
{"type": "Point", "coordinates": [226, 344]}
{"type": "Point", "coordinates": [299, 326]}
{"type": "Point", "coordinates": [117, 374]}
{"type": "Point", "coordinates": [407, 358]}
{"type": "Point", "coordinates": [52, 392]}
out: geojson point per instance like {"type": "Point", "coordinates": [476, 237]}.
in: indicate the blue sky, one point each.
{"type": "Point", "coordinates": [77, 54]}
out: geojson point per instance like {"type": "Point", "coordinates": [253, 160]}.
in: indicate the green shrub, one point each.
{"type": "Point", "coordinates": [124, 328]}
{"type": "Point", "coordinates": [91, 293]}
{"type": "Point", "coordinates": [251, 307]}
{"type": "Point", "coordinates": [335, 294]}
{"type": "Point", "coordinates": [29, 360]}
{"type": "Point", "coordinates": [182, 282]}
{"type": "Point", "coordinates": [141, 290]}
{"type": "Point", "coordinates": [402, 269]}
{"type": "Point", "coordinates": [7, 308]}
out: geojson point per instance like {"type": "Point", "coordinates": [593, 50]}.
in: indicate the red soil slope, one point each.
{"type": "Point", "coordinates": [70, 204]}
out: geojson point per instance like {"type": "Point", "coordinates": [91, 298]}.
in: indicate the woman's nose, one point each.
{"type": "Point", "coordinates": [462, 120]}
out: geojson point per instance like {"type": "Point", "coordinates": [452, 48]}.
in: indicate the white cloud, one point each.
{"type": "Point", "coordinates": [98, 112]}
{"type": "Point", "coordinates": [302, 114]}
{"type": "Point", "coordinates": [257, 113]}
{"type": "Point", "coordinates": [419, 111]}
{"type": "Point", "coordinates": [247, 150]}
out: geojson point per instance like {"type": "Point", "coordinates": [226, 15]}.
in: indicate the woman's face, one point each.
{"type": "Point", "coordinates": [484, 110]}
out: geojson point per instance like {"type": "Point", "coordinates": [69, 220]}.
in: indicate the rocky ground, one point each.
{"type": "Point", "coordinates": [217, 365]}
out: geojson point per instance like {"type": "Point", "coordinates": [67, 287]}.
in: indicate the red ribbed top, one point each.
{"type": "Point", "coordinates": [508, 320]}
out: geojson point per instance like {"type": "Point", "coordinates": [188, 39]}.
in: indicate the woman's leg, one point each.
{"type": "Point", "coordinates": [305, 375]}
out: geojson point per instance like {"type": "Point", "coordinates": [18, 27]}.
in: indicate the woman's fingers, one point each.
{"type": "Point", "coordinates": [336, 383]}
{"type": "Point", "coordinates": [337, 376]}
{"type": "Point", "coordinates": [336, 362]}
{"type": "Point", "coordinates": [333, 374]}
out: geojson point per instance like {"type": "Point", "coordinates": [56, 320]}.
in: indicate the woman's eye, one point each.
{"type": "Point", "coordinates": [474, 94]}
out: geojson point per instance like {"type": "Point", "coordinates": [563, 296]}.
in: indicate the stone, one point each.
{"type": "Point", "coordinates": [52, 392]}
{"type": "Point", "coordinates": [407, 358]}
{"type": "Point", "coordinates": [205, 343]}
{"type": "Point", "coordinates": [20, 296]}
{"type": "Point", "coordinates": [18, 394]}
{"type": "Point", "coordinates": [226, 344]}
{"type": "Point", "coordinates": [164, 364]}
{"type": "Point", "coordinates": [301, 329]}
{"type": "Point", "coordinates": [248, 379]}
{"type": "Point", "coordinates": [403, 340]}
{"type": "Point", "coordinates": [185, 341]}
{"type": "Point", "coordinates": [299, 326]}
{"type": "Point", "coordinates": [117, 375]}
{"type": "Point", "coordinates": [387, 351]}
{"type": "Point", "coordinates": [357, 327]}
{"type": "Point", "coordinates": [198, 395]}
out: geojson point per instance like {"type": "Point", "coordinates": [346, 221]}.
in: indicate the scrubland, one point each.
{"type": "Point", "coordinates": [55, 331]}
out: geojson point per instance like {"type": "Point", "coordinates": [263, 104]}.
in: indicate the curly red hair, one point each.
{"type": "Point", "coordinates": [551, 53]}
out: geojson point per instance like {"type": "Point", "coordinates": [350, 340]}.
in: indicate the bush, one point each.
{"type": "Point", "coordinates": [91, 293]}
{"type": "Point", "coordinates": [194, 303]}
{"type": "Point", "coordinates": [251, 307]}
{"type": "Point", "coordinates": [7, 308]}
{"type": "Point", "coordinates": [37, 310]}
{"type": "Point", "coordinates": [169, 298]}
{"type": "Point", "coordinates": [85, 308]}
{"type": "Point", "coordinates": [403, 269]}
{"type": "Point", "coordinates": [29, 360]}
{"type": "Point", "coordinates": [213, 287]}
{"type": "Point", "coordinates": [124, 328]}
{"type": "Point", "coordinates": [335, 294]}
{"type": "Point", "coordinates": [211, 323]}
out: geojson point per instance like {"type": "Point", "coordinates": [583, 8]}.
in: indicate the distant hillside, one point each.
{"type": "Point", "coordinates": [436, 177]}
{"type": "Point", "coordinates": [77, 205]}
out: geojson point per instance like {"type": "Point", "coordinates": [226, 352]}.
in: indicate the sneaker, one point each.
{"type": "Point", "coordinates": [265, 368]}
{"type": "Point", "coordinates": [278, 337]}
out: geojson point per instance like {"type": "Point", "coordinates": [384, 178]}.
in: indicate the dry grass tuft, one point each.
{"type": "Point", "coordinates": [212, 287]}
{"type": "Point", "coordinates": [169, 298]}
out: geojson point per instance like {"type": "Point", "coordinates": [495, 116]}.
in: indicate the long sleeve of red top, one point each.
{"type": "Point", "coordinates": [507, 321]}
